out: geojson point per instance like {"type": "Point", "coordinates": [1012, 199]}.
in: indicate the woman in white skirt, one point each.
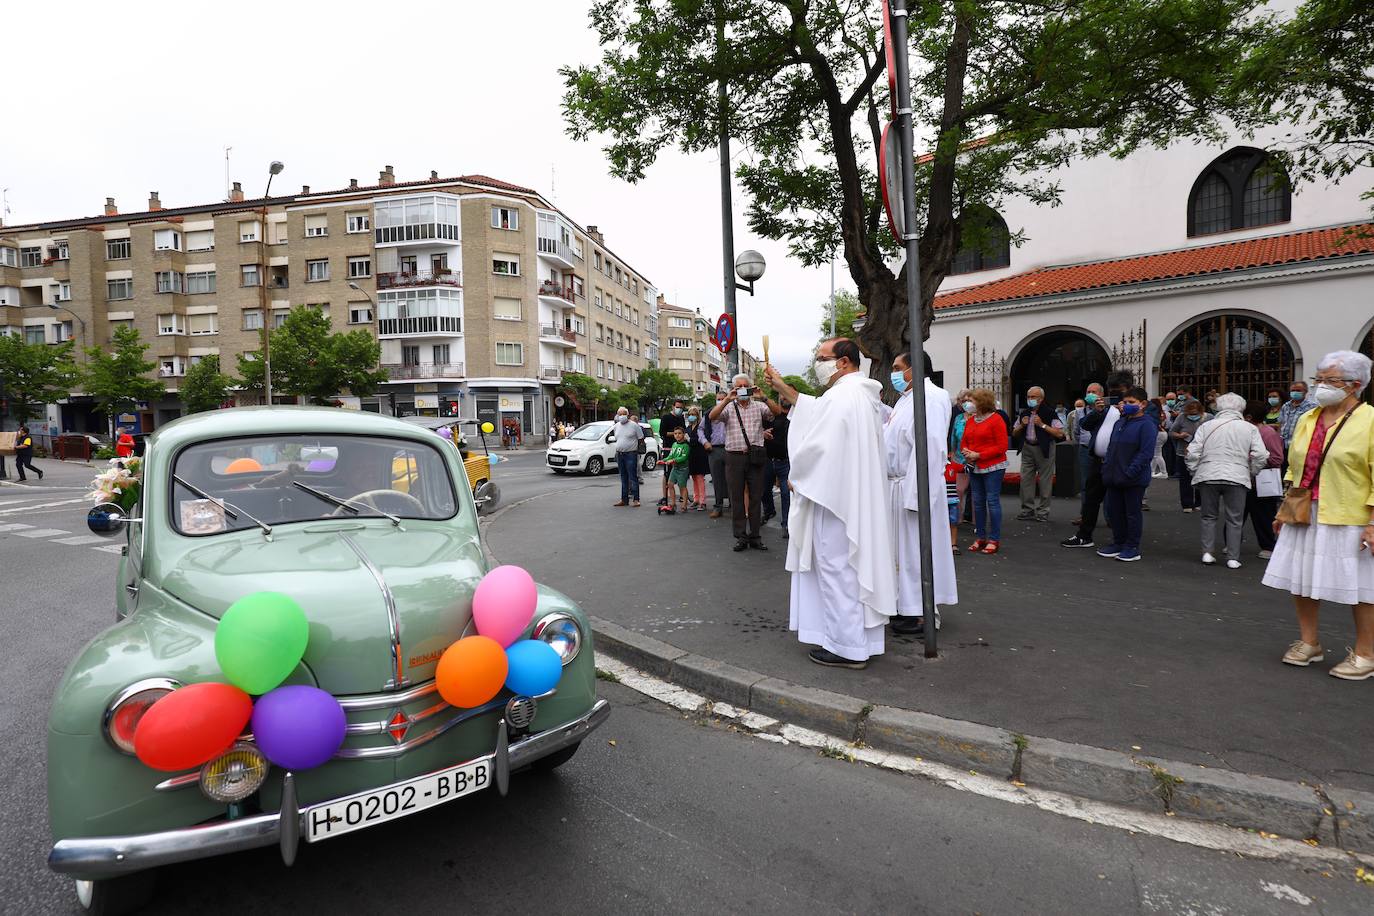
{"type": "Point", "coordinates": [1332, 558]}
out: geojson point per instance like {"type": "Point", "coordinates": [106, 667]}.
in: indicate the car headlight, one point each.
{"type": "Point", "coordinates": [123, 713]}
{"type": "Point", "coordinates": [235, 774]}
{"type": "Point", "coordinates": [562, 632]}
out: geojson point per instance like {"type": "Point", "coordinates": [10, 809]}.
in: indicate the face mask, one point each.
{"type": "Point", "coordinates": [899, 381]}
{"type": "Point", "coordinates": [621, 418]}
{"type": "Point", "coordinates": [677, 411]}
{"type": "Point", "coordinates": [1295, 395]}
{"type": "Point", "coordinates": [1171, 402]}
{"type": "Point", "coordinates": [825, 371]}
{"type": "Point", "coordinates": [968, 407]}
{"type": "Point", "coordinates": [1194, 417]}
{"type": "Point", "coordinates": [1329, 395]}
{"type": "Point", "coordinates": [1091, 399]}
{"type": "Point", "coordinates": [693, 418]}
{"type": "Point", "coordinates": [1032, 402]}
{"type": "Point", "coordinates": [1273, 402]}
{"type": "Point", "coordinates": [1130, 410]}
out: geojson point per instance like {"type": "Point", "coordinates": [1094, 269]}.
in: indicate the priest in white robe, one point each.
{"type": "Point", "coordinates": [840, 549]}
{"type": "Point", "coordinates": [899, 437]}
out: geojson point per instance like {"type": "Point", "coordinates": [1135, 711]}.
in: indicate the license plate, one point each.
{"type": "Point", "coordinates": [369, 808]}
{"type": "Point", "coordinates": [557, 459]}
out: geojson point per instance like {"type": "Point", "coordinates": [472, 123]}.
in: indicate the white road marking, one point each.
{"type": "Point", "coordinates": [1179, 830]}
{"type": "Point", "coordinates": [41, 532]}
{"type": "Point", "coordinates": [110, 548]}
{"type": "Point", "coordinates": [1285, 893]}
{"type": "Point", "coordinates": [80, 539]}
{"type": "Point", "coordinates": [14, 526]}
{"type": "Point", "coordinates": [65, 502]}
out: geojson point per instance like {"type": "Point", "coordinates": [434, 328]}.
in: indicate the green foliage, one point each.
{"type": "Point", "coordinates": [118, 380]}
{"type": "Point", "coordinates": [629, 396]}
{"type": "Point", "coordinates": [310, 361]}
{"type": "Point", "coordinates": [660, 387]}
{"type": "Point", "coordinates": [205, 387]}
{"type": "Point", "coordinates": [583, 387]}
{"type": "Point", "coordinates": [32, 375]}
{"type": "Point", "coordinates": [847, 308]}
{"type": "Point", "coordinates": [104, 453]}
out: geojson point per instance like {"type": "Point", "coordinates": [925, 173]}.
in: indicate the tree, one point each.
{"type": "Point", "coordinates": [32, 375]}
{"type": "Point", "coordinates": [1004, 93]}
{"type": "Point", "coordinates": [205, 387]}
{"type": "Point", "coordinates": [661, 386]}
{"type": "Point", "coordinates": [310, 361]}
{"type": "Point", "coordinates": [628, 395]}
{"type": "Point", "coordinates": [118, 380]}
{"type": "Point", "coordinates": [847, 308]}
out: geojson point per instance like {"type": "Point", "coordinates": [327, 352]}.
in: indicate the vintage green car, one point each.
{"type": "Point", "coordinates": [299, 501]}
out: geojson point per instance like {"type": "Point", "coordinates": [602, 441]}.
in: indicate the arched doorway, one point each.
{"type": "Point", "coordinates": [1237, 353]}
{"type": "Point", "coordinates": [1061, 362]}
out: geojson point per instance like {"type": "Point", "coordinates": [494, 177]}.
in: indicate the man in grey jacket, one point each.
{"type": "Point", "coordinates": [627, 436]}
{"type": "Point", "coordinates": [1224, 454]}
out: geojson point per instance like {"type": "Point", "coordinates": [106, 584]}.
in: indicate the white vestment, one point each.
{"type": "Point", "coordinates": [840, 550]}
{"type": "Point", "coordinates": [907, 514]}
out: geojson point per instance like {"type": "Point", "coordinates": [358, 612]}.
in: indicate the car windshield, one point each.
{"type": "Point", "coordinates": [271, 479]}
{"type": "Point", "coordinates": [591, 431]}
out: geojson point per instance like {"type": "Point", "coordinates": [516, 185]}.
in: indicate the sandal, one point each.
{"type": "Point", "coordinates": [991, 547]}
{"type": "Point", "coordinates": [977, 546]}
{"type": "Point", "coordinates": [957, 551]}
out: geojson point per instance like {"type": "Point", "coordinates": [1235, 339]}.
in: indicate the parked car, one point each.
{"type": "Point", "coordinates": [301, 501]}
{"type": "Point", "coordinates": [591, 449]}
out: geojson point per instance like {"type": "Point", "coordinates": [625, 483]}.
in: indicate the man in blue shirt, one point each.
{"type": "Point", "coordinates": [1299, 402]}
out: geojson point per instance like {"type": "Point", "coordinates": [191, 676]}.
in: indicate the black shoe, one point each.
{"type": "Point", "coordinates": [831, 660]}
{"type": "Point", "coordinates": [663, 501]}
{"type": "Point", "coordinates": [758, 545]}
{"type": "Point", "coordinates": [1077, 541]}
{"type": "Point", "coordinates": [1025, 517]}
{"type": "Point", "coordinates": [767, 516]}
{"type": "Point", "coordinates": [741, 545]}
{"type": "Point", "coordinates": [909, 626]}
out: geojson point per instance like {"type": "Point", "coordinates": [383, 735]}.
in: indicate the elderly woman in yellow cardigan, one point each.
{"type": "Point", "coordinates": [1332, 557]}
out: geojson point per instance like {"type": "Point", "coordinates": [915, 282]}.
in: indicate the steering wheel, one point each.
{"type": "Point", "coordinates": [370, 498]}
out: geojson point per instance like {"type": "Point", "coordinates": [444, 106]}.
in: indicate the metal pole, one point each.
{"type": "Point", "coordinates": [914, 335]}
{"type": "Point", "coordinates": [832, 296]}
{"type": "Point", "coordinates": [727, 216]}
{"type": "Point", "coordinates": [262, 302]}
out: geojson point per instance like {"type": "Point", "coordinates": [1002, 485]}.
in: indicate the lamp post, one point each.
{"type": "Point", "coordinates": [273, 170]}
{"type": "Point", "coordinates": [62, 308]}
{"type": "Point", "coordinates": [604, 392]}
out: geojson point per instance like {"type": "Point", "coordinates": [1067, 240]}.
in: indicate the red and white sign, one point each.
{"type": "Point", "coordinates": [889, 173]}
{"type": "Point", "coordinates": [890, 57]}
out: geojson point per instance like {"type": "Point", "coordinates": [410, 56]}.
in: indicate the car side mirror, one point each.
{"type": "Point", "coordinates": [107, 519]}
{"type": "Point", "coordinates": [610, 437]}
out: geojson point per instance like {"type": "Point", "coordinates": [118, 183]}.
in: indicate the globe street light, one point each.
{"type": "Point", "coordinates": [750, 266]}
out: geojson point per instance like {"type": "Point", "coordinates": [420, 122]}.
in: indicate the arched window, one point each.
{"type": "Point", "coordinates": [984, 241]}
{"type": "Point", "coordinates": [1241, 189]}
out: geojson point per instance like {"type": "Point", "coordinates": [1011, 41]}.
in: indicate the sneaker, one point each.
{"type": "Point", "coordinates": [1207, 558]}
{"type": "Point", "coordinates": [1233, 564]}
{"type": "Point", "coordinates": [1110, 552]}
{"type": "Point", "coordinates": [1302, 655]}
{"type": "Point", "coordinates": [1187, 510]}
{"type": "Point", "coordinates": [1265, 554]}
{"type": "Point", "coordinates": [831, 660]}
{"type": "Point", "coordinates": [1129, 555]}
{"type": "Point", "coordinates": [1354, 668]}
{"type": "Point", "coordinates": [1025, 517]}
{"type": "Point", "coordinates": [617, 505]}
{"type": "Point", "coordinates": [1077, 541]}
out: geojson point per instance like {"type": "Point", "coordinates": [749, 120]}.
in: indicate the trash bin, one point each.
{"type": "Point", "coordinates": [74, 448]}
{"type": "Point", "coordinates": [1065, 470]}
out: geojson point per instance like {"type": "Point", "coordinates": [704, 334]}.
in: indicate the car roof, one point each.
{"type": "Point", "coordinates": [245, 422]}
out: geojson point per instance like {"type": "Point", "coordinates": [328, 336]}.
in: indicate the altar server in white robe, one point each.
{"type": "Point", "coordinates": [840, 550]}
{"type": "Point", "coordinates": [899, 437]}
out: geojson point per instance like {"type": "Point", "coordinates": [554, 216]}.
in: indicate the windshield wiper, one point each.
{"type": "Point", "coordinates": [229, 509]}
{"type": "Point", "coordinates": [346, 503]}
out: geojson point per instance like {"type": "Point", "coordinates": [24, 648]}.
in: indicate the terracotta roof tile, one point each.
{"type": "Point", "coordinates": [1292, 248]}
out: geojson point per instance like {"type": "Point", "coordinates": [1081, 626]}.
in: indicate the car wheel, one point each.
{"type": "Point", "coordinates": [650, 461]}
{"type": "Point", "coordinates": [555, 760]}
{"type": "Point", "coordinates": [116, 896]}
{"type": "Point", "coordinates": [594, 465]}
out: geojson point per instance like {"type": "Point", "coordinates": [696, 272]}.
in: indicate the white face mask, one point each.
{"type": "Point", "coordinates": [825, 371]}
{"type": "Point", "coordinates": [622, 418]}
{"type": "Point", "coordinates": [1329, 395]}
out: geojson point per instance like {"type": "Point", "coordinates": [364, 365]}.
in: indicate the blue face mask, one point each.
{"type": "Point", "coordinates": [1032, 402]}
{"type": "Point", "coordinates": [1130, 410]}
{"type": "Point", "coordinates": [899, 381]}
{"type": "Point", "coordinates": [1295, 395]}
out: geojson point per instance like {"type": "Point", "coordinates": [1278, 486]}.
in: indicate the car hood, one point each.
{"type": "Point", "coordinates": [358, 586]}
{"type": "Point", "coordinates": [566, 446]}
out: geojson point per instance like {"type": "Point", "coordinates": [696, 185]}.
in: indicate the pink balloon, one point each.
{"type": "Point", "coordinates": [503, 605]}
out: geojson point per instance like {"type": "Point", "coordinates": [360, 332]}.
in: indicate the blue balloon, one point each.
{"type": "Point", "coordinates": [493, 459]}
{"type": "Point", "coordinates": [534, 667]}
{"type": "Point", "coordinates": [298, 727]}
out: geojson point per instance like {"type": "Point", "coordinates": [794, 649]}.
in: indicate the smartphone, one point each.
{"type": "Point", "coordinates": [742, 391]}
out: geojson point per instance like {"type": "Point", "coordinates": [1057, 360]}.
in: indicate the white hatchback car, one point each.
{"type": "Point", "coordinates": [591, 449]}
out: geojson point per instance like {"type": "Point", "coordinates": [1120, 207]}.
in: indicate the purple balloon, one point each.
{"type": "Point", "coordinates": [321, 465]}
{"type": "Point", "coordinates": [298, 727]}
{"type": "Point", "coordinates": [444, 432]}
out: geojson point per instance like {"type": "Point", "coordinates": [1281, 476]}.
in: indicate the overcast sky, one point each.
{"type": "Point", "coordinates": [120, 99]}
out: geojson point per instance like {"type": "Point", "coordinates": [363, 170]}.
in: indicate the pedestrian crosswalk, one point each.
{"type": "Point", "coordinates": [54, 536]}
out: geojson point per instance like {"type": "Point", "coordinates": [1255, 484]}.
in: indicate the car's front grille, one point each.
{"type": "Point", "coordinates": [410, 718]}
{"type": "Point", "coordinates": [558, 459]}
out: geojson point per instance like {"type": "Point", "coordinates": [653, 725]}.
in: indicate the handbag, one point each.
{"type": "Point", "coordinates": [1296, 508]}
{"type": "Point", "coordinates": [757, 453]}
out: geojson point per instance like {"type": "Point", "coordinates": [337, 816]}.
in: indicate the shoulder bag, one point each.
{"type": "Point", "coordinates": [757, 453]}
{"type": "Point", "coordinates": [1296, 508]}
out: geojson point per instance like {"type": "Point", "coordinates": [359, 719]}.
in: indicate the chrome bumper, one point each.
{"type": "Point", "coordinates": [112, 856]}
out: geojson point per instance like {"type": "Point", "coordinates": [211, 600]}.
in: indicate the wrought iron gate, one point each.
{"type": "Point", "coordinates": [1129, 354]}
{"type": "Point", "coordinates": [986, 369]}
{"type": "Point", "coordinates": [1229, 353]}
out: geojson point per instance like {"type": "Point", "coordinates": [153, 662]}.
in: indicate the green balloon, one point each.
{"type": "Point", "coordinates": [260, 640]}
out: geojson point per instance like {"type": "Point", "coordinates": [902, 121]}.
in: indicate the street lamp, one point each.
{"type": "Point", "coordinates": [272, 171]}
{"type": "Point", "coordinates": [353, 285]}
{"type": "Point", "coordinates": [604, 392]}
{"type": "Point", "coordinates": [750, 266]}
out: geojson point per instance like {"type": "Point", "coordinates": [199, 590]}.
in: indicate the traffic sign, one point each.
{"type": "Point", "coordinates": [889, 170]}
{"type": "Point", "coordinates": [891, 60]}
{"type": "Point", "coordinates": [725, 334]}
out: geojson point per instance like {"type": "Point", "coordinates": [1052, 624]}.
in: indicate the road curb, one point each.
{"type": "Point", "coordinates": [1327, 815]}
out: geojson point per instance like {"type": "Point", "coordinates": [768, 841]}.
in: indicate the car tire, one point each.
{"type": "Point", "coordinates": [650, 461]}
{"type": "Point", "coordinates": [116, 896]}
{"type": "Point", "coordinates": [555, 760]}
{"type": "Point", "coordinates": [595, 465]}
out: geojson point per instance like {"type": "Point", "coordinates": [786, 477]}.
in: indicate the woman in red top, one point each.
{"type": "Point", "coordinates": [984, 447]}
{"type": "Point", "coordinates": [124, 444]}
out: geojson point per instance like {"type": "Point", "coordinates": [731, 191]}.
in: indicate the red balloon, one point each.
{"type": "Point", "coordinates": [191, 725]}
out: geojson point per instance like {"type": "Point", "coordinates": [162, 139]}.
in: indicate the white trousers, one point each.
{"type": "Point", "coordinates": [826, 610]}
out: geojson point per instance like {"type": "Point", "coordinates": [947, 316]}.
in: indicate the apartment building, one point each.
{"type": "Point", "coordinates": [688, 348]}
{"type": "Point", "coordinates": [481, 293]}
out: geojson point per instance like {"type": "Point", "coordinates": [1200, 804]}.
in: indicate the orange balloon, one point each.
{"type": "Point", "coordinates": [242, 466]}
{"type": "Point", "coordinates": [471, 671]}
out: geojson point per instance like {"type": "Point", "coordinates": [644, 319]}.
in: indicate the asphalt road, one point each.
{"type": "Point", "coordinates": [675, 816]}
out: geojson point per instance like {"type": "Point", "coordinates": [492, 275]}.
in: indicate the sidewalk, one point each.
{"type": "Point", "coordinates": [55, 473]}
{"type": "Point", "coordinates": [1164, 657]}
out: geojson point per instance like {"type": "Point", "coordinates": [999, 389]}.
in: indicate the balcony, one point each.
{"type": "Point", "coordinates": [421, 326]}
{"type": "Point", "coordinates": [552, 290]}
{"type": "Point", "coordinates": [556, 335]}
{"type": "Point", "coordinates": [556, 250]}
{"type": "Point", "coordinates": [398, 373]}
{"type": "Point", "coordinates": [551, 373]}
{"type": "Point", "coordinates": [401, 279]}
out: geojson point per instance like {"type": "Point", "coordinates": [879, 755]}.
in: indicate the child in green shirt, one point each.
{"type": "Point", "coordinates": [676, 473]}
